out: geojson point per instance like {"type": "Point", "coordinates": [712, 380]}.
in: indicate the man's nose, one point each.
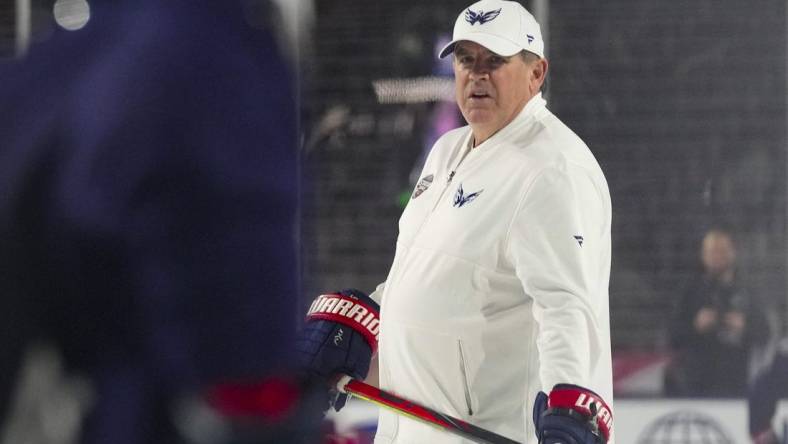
{"type": "Point", "coordinates": [479, 70]}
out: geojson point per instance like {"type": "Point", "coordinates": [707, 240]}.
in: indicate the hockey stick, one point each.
{"type": "Point", "coordinates": [354, 387]}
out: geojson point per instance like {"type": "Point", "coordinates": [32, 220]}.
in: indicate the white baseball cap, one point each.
{"type": "Point", "coordinates": [503, 27]}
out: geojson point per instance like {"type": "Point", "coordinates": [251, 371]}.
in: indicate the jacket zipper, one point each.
{"type": "Point", "coordinates": [464, 374]}
{"type": "Point", "coordinates": [445, 187]}
{"type": "Point", "coordinates": [452, 173]}
{"type": "Point", "coordinates": [438, 200]}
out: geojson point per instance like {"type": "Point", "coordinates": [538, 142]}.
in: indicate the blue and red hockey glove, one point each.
{"type": "Point", "coordinates": [572, 415]}
{"type": "Point", "coordinates": [340, 336]}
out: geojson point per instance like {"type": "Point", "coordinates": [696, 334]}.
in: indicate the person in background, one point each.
{"type": "Point", "coordinates": [715, 325]}
{"type": "Point", "coordinates": [149, 181]}
{"type": "Point", "coordinates": [766, 390]}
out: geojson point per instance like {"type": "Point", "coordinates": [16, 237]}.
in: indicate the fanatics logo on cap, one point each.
{"type": "Point", "coordinates": [481, 17]}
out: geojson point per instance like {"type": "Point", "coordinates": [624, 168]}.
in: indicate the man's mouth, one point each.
{"type": "Point", "coordinates": [478, 95]}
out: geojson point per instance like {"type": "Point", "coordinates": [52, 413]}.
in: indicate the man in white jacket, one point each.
{"type": "Point", "coordinates": [495, 309]}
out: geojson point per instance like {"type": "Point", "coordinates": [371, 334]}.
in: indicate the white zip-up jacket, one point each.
{"type": "Point", "coordinates": [499, 285]}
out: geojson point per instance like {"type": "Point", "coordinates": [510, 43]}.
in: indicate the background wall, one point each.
{"type": "Point", "coordinates": [684, 106]}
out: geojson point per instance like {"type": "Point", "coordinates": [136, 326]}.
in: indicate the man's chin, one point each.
{"type": "Point", "coordinates": [478, 116]}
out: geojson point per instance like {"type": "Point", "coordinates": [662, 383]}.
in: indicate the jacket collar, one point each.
{"type": "Point", "coordinates": [529, 110]}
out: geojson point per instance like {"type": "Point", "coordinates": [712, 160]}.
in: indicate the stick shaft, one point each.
{"type": "Point", "coordinates": [420, 412]}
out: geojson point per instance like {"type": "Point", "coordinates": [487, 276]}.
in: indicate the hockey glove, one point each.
{"type": "Point", "coordinates": [340, 337]}
{"type": "Point", "coordinates": [572, 415]}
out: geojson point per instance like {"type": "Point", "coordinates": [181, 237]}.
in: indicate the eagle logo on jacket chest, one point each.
{"type": "Point", "coordinates": [460, 198]}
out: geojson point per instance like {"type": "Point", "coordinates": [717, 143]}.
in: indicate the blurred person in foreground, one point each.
{"type": "Point", "coordinates": [715, 326]}
{"type": "Point", "coordinates": [147, 221]}
{"type": "Point", "coordinates": [766, 390]}
{"type": "Point", "coordinates": [495, 310]}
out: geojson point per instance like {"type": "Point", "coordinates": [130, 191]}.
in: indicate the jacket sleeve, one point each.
{"type": "Point", "coordinates": [377, 295]}
{"type": "Point", "coordinates": [559, 244]}
{"type": "Point", "coordinates": [759, 323]}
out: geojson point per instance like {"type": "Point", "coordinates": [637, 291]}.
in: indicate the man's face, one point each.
{"type": "Point", "coordinates": [717, 253]}
{"type": "Point", "coordinates": [490, 89]}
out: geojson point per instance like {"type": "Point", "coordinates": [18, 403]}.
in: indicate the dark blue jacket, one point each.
{"type": "Point", "coordinates": [148, 194]}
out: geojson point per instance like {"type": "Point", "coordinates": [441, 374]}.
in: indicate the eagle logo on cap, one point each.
{"type": "Point", "coordinates": [481, 17]}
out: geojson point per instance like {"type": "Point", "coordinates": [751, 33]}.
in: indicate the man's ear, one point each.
{"type": "Point", "coordinates": [538, 74]}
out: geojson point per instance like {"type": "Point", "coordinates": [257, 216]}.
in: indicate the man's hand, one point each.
{"type": "Point", "coordinates": [339, 337]}
{"type": "Point", "coordinates": [735, 321]}
{"type": "Point", "coordinates": [705, 319]}
{"type": "Point", "coordinates": [572, 415]}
